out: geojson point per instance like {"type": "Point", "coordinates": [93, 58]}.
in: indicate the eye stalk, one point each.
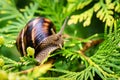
{"type": "Point", "coordinates": [63, 27]}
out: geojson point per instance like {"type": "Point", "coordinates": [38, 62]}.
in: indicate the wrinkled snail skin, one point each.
{"type": "Point", "coordinates": [43, 54]}
{"type": "Point", "coordinates": [40, 34]}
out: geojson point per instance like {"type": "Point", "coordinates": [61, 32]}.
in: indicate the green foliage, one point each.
{"type": "Point", "coordinates": [104, 63]}
{"type": "Point", "coordinates": [54, 12]}
{"type": "Point", "coordinates": [71, 62]}
{"type": "Point", "coordinates": [104, 9]}
{"type": "Point", "coordinates": [15, 19]}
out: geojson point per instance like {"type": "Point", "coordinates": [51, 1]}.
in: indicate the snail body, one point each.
{"type": "Point", "coordinates": [40, 34]}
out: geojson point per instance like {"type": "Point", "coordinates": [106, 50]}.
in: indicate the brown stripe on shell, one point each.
{"type": "Point", "coordinates": [34, 30]}
{"type": "Point", "coordinates": [19, 42]}
{"type": "Point", "coordinates": [33, 36]}
{"type": "Point", "coordinates": [47, 20]}
{"type": "Point", "coordinates": [23, 44]}
{"type": "Point", "coordinates": [45, 27]}
{"type": "Point", "coordinates": [45, 24]}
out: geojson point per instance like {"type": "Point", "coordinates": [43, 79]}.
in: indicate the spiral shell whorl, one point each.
{"type": "Point", "coordinates": [34, 32]}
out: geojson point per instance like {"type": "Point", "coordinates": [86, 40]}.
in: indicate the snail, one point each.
{"type": "Point", "coordinates": [40, 34]}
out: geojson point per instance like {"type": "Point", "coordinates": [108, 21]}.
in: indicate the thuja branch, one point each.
{"type": "Point", "coordinates": [42, 68]}
{"type": "Point", "coordinates": [91, 63]}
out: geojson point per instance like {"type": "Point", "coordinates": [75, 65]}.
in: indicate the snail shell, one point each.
{"type": "Point", "coordinates": [40, 34]}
